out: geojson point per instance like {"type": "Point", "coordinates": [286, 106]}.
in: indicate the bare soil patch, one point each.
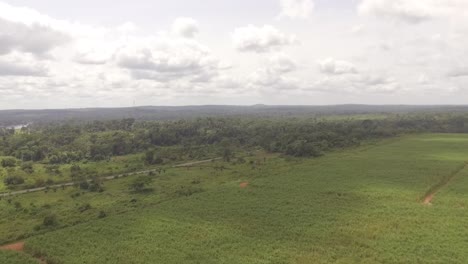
{"type": "Point", "coordinates": [19, 246]}
{"type": "Point", "coordinates": [244, 185]}
{"type": "Point", "coordinates": [428, 199]}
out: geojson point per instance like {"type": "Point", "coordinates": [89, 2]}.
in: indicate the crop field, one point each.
{"type": "Point", "coordinates": [360, 205]}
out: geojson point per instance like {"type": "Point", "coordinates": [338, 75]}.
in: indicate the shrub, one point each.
{"type": "Point", "coordinates": [39, 183]}
{"type": "Point", "coordinates": [84, 185]}
{"type": "Point", "coordinates": [53, 169]}
{"type": "Point", "coordinates": [18, 205]}
{"type": "Point", "coordinates": [50, 220]}
{"type": "Point", "coordinates": [27, 167]}
{"type": "Point", "coordinates": [102, 214]}
{"type": "Point", "coordinates": [13, 180]}
{"type": "Point", "coordinates": [49, 182]}
{"type": "Point", "coordinates": [96, 185]}
{"type": "Point", "coordinates": [140, 183]}
{"type": "Point", "coordinates": [188, 191]}
{"type": "Point", "coordinates": [8, 162]}
{"type": "Point", "coordinates": [84, 207]}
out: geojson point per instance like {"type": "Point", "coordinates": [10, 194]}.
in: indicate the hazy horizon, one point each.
{"type": "Point", "coordinates": [64, 55]}
{"type": "Point", "coordinates": [242, 106]}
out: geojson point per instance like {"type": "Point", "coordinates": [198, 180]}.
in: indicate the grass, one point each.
{"type": "Point", "coordinates": [10, 257]}
{"type": "Point", "coordinates": [360, 205]}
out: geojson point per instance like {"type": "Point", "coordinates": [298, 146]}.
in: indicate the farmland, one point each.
{"type": "Point", "coordinates": [359, 205]}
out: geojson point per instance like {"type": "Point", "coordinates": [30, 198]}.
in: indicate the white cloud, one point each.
{"type": "Point", "coordinates": [33, 19]}
{"type": "Point", "coordinates": [413, 11]}
{"type": "Point", "coordinates": [336, 67]}
{"type": "Point", "coordinates": [459, 71]}
{"type": "Point", "coordinates": [301, 9]}
{"type": "Point", "coordinates": [281, 63]}
{"type": "Point", "coordinates": [17, 65]}
{"type": "Point", "coordinates": [185, 27]}
{"type": "Point", "coordinates": [35, 38]}
{"type": "Point", "coordinates": [168, 59]}
{"type": "Point", "coordinates": [92, 57]}
{"type": "Point", "coordinates": [41, 56]}
{"type": "Point", "coordinates": [261, 39]}
{"type": "Point", "coordinates": [274, 74]}
{"type": "Point", "coordinates": [128, 27]}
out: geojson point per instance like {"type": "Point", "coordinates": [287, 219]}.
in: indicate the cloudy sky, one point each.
{"type": "Point", "coordinates": [87, 53]}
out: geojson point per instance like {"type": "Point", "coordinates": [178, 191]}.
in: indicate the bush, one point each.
{"type": "Point", "coordinates": [27, 167]}
{"type": "Point", "coordinates": [39, 183]}
{"type": "Point", "coordinates": [13, 180]}
{"type": "Point", "coordinates": [50, 220]}
{"type": "Point", "coordinates": [18, 205]}
{"type": "Point", "coordinates": [8, 162]}
{"type": "Point", "coordinates": [84, 185]}
{"type": "Point", "coordinates": [84, 207]}
{"type": "Point", "coordinates": [96, 185]}
{"type": "Point", "coordinates": [188, 191]}
{"type": "Point", "coordinates": [75, 195]}
{"type": "Point", "coordinates": [53, 169]}
{"type": "Point", "coordinates": [141, 183]}
{"type": "Point", "coordinates": [102, 214]}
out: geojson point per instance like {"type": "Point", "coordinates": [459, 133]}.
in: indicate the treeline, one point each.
{"type": "Point", "coordinates": [99, 140]}
{"type": "Point", "coordinates": [164, 113]}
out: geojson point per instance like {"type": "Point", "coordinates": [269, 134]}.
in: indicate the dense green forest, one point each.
{"type": "Point", "coordinates": [60, 146]}
{"type": "Point", "coordinates": [69, 142]}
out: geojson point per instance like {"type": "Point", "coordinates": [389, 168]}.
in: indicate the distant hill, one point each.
{"type": "Point", "coordinates": [14, 117]}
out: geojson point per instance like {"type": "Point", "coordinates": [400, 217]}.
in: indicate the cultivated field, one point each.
{"type": "Point", "coordinates": [361, 205]}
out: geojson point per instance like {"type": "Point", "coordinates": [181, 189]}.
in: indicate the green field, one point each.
{"type": "Point", "coordinates": [9, 257]}
{"type": "Point", "coordinates": [361, 205]}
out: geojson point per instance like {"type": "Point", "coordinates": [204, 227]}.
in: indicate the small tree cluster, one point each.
{"type": "Point", "coordinates": [140, 184]}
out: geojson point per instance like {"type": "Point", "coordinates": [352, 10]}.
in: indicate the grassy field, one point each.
{"type": "Point", "coordinates": [361, 205]}
{"type": "Point", "coordinates": [9, 257]}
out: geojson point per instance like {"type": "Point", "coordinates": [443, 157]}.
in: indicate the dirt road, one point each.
{"type": "Point", "coordinates": [107, 178]}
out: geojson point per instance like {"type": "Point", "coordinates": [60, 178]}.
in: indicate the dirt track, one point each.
{"type": "Point", "coordinates": [195, 163]}
{"type": "Point", "coordinates": [107, 178]}
{"type": "Point", "coordinates": [431, 194]}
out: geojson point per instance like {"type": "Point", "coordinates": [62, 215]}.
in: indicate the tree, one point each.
{"type": "Point", "coordinates": [96, 185]}
{"type": "Point", "coordinates": [141, 183]}
{"type": "Point", "coordinates": [149, 157]}
{"type": "Point", "coordinates": [226, 150]}
{"type": "Point", "coordinates": [50, 220]}
{"type": "Point", "coordinates": [9, 162]}
{"type": "Point", "coordinates": [52, 169]}
{"type": "Point", "coordinates": [27, 167]}
{"type": "Point", "coordinates": [75, 172]}
{"type": "Point", "coordinates": [13, 180]}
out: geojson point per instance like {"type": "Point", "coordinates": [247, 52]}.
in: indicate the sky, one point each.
{"type": "Point", "coordinates": [116, 53]}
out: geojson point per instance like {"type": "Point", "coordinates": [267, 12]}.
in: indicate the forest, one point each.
{"type": "Point", "coordinates": [58, 143]}
{"type": "Point", "coordinates": [64, 143]}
